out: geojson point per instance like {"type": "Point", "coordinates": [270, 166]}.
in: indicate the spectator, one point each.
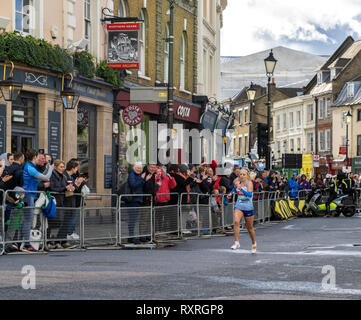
{"type": "Point", "coordinates": [164, 183]}
{"type": "Point", "coordinates": [136, 180]}
{"type": "Point", "coordinates": [319, 182]}
{"type": "Point", "coordinates": [42, 166]}
{"type": "Point", "coordinates": [293, 186]}
{"type": "Point", "coordinates": [226, 181]}
{"type": "Point", "coordinates": [234, 175]}
{"type": "Point", "coordinates": [31, 179]}
{"type": "Point", "coordinates": [184, 181]}
{"type": "Point", "coordinates": [10, 158]}
{"type": "Point", "coordinates": [59, 185]}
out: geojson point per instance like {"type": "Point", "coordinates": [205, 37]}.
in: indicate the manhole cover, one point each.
{"type": "Point", "coordinates": [103, 264]}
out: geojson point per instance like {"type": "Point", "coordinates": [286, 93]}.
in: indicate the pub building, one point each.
{"type": "Point", "coordinates": [37, 119]}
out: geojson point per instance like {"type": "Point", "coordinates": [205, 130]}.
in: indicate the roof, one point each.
{"type": "Point", "coordinates": [322, 88]}
{"type": "Point", "coordinates": [290, 92]}
{"type": "Point", "coordinates": [344, 100]}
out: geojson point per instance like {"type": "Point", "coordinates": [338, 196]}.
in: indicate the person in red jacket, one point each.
{"type": "Point", "coordinates": [163, 183]}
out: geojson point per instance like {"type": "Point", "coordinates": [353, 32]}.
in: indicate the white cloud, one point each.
{"type": "Point", "coordinates": [255, 25]}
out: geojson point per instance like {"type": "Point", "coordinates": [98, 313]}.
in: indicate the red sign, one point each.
{"type": "Point", "coordinates": [133, 115]}
{"type": "Point", "coordinates": [123, 45]}
{"type": "Point", "coordinates": [343, 150]}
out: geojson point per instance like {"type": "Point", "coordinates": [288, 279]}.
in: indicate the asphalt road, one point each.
{"type": "Point", "coordinates": [289, 264]}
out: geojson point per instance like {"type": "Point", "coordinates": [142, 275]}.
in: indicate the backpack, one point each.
{"type": "Point", "coordinates": [125, 188]}
{"type": "Point", "coordinates": [49, 209]}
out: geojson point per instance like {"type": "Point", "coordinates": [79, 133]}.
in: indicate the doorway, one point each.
{"type": "Point", "coordinates": [22, 143]}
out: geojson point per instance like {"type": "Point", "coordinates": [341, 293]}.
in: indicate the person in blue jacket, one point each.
{"type": "Point", "coordinates": [136, 181]}
{"type": "Point", "coordinates": [293, 186]}
{"type": "Point", "coordinates": [31, 178]}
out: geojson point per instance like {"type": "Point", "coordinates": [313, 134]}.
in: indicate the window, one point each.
{"type": "Point", "coordinates": [311, 144]}
{"type": "Point", "coordinates": [246, 115]}
{"type": "Point", "coordinates": [284, 121]}
{"type": "Point", "coordinates": [23, 112]}
{"type": "Point", "coordinates": [278, 123]}
{"type": "Point", "coordinates": [298, 144]}
{"type": "Point", "coordinates": [328, 107]}
{"type": "Point", "coordinates": [319, 78]}
{"type": "Point", "coordinates": [86, 142]}
{"type": "Point", "coordinates": [240, 145]}
{"type": "Point", "coordinates": [142, 43]}
{"type": "Point", "coordinates": [246, 144]}
{"type": "Point", "coordinates": [211, 72]}
{"type": "Point", "coordinates": [328, 140]}
{"type": "Point", "coordinates": [359, 115]}
{"type": "Point", "coordinates": [310, 112]}
{"type": "Point", "coordinates": [291, 120]}
{"type": "Point", "coordinates": [24, 16]}
{"type": "Point", "coordinates": [343, 140]}
{"type": "Point", "coordinates": [321, 140]}
{"type": "Point", "coordinates": [359, 145]}
{"type": "Point", "coordinates": [298, 119]}
{"type": "Point", "coordinates": [182, 61]}
{"type": "Point", "coordinates": [320, 109]}
{"type": "Point", "coordinates": [333, 73]}
{"type": "Point", "coordinates": [285, 147]}
{"type": "Point", "coordinates": [166, 55]}
{"type": "Point", "coordinates": [122, 9]}
{"type": "Point", "coordinates": [234, 146]}
{"type": "Point", "coordinates": [350, 90]}
{"type": "Point", "coordinates": [205, 70]}
{"type": "Point", "coordinates": [279, 146]}
{"type": "Point", "coordinates": [292, 143]}
{"type": "Point", "coordinates": [240, 116]}
{"type": "Point", "coordinates": [87, 19]}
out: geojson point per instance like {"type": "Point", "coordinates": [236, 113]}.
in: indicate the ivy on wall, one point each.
{"type": "Point", "coordinates": [40, 53]}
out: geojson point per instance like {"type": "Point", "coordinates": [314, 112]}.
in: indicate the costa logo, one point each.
{"type": "Point", "coordinates": [133, 115]}
{"type": "Point", "coordinates": [184, 112]}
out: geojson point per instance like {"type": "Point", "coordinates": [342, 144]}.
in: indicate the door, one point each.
{"type": "Point", "coordinates": [22, 143]}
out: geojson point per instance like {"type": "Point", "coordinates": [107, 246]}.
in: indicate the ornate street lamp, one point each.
{"type": "Point", "coordinates": [10, 89]}
{"type": "Point", "coordinates": [270, 64]}
{"type": "Point", "coordinates": [69, 98]}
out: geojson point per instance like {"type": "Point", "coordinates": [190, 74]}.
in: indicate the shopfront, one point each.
{"type": "Point", "coordinates": [37, 119]}
{"type": "Point", "coordinates": [140, 125]}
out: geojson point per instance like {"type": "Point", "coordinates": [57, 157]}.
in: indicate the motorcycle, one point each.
{"type": "Point", "coordinates": [317, 199]}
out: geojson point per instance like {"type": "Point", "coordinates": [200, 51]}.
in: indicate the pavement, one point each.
{"type": "Point", "coordinates": [294, 259]}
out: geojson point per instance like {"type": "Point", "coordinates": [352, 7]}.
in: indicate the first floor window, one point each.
{"type": "Point", "coordinates": [359, 145]}
{"type": "Point", "coordinates": [321, 140]}
{"type": "Point", "coordinates": [24, 16]}
{"type": "Point", "coordinates": [310, 139]}
{"type": "Point", "coordinates": [240, 145]}
{"type": "Point", "coordinates": [328, 140]}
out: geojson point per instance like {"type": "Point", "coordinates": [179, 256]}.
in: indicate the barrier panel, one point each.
{"type": "Point", "coordinates": [228, 209]}
{"type": "Point", "coordinates": [63, 232]}
{"type": "Point", "coordinates": [135, 217]}
{"type": "Point", "coordinates": [99, 220]}
{"type": "Point", "coordinates": [23, 224]}
{"type": "Point", "coordinates": [189, 214]}
{"type": "Point", "coordinates": [217, 213]}
{"type": "Point", "coordinates": [358, 200]}
{"type": "Point", "coordinates": [166, 216]}
{"type": "Point", "coordinates": [2, 224]}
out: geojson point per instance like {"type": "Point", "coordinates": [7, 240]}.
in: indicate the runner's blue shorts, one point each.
{"type": "Point", "coordinates": [247, 214]}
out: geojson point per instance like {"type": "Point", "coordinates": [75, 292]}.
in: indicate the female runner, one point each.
{"type": "Point", "coordinates": [244, 208]}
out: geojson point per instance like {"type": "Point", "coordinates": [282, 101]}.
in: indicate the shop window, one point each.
{"type": "Point", "coordinates": [87, 142]}
{"type": "Point", "coordinates": [23, 112]}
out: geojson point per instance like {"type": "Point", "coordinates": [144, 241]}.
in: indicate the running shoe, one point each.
{"type": "Point", "coordinates": [73, 236]}
{"type": "Point", "coordinates": [254, 248]}
{"type": "Point", "coordinates": [68, 246]}
{"type": "Point", "coordinates": [236, 246]}
{"type": "Point", "coordinates": [29, 249]}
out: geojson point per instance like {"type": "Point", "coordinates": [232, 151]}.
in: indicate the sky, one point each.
{"type": "Point", "coordinates": [313, 26]}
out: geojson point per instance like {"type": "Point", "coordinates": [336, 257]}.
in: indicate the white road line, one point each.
{"type": "Point", "coordinates": [298, 253]}
{"type": "Point", "coordinates": [285, 286]}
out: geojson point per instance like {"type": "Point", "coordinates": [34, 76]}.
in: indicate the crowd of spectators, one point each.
{"type": "Point", "coordinates": [29, 173]}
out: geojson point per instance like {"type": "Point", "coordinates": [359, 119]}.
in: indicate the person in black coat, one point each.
{"type": "Point", "coordinates": [184, 182]}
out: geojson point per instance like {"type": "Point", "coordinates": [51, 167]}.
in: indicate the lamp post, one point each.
{"type": "Point", "coordinates": [170, 103]}
{"type": "Point", "coordinates": [10, 89]}
{"type": "Point", "coordinates": [348, 122]}
{"type": "Point", "coordinates": [270, 64]}
{"type": "Point", "coordinates": [251, 94]}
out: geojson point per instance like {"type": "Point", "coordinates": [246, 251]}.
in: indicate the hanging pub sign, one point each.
{"type": "Point", "coordinates": [123, 45]}
{"type": "Point", "coordinates": [133, 115]}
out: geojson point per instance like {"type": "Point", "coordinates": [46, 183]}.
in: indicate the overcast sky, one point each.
{"type": "Point", "coordinates": [314, 26]}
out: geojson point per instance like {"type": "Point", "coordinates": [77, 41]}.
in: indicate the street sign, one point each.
{"type": "Point", "coordinates": [343, 150]}
{"type": "Point", "coordinates": [316, 158]}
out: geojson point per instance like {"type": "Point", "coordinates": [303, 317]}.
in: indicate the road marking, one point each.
{"type": "Point", "coordinates": [298, 253]}
{"type": "Point", "coordinates": [303, 286]}
{"type": "Point", "coordinates": [288, 227]}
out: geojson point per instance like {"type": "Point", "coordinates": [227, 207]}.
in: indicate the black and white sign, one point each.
{"type": "Point", "coordinates": [108, 176]}
{"type": "Point", "coordinates": [184, 112]}
{"type": "Point", "coordinates": [54, 134]}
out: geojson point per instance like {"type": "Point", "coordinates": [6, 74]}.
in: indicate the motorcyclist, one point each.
{"type": "Point", "coordinates": [331, 186]}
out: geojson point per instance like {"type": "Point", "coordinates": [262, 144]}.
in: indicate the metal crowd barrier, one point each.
{"type": "Point", "coordinates": [135, 218]}
{"type": "Point", "coordinates": [22, 221]}
{"type": "Point", "coordinates": [166, 216]}
{"type": "Point", "coordinates": [99, 220]}
{"type": "Point", "coordinates": [358, 200]}
{"type": "Point", "coordinates": [189, 215]}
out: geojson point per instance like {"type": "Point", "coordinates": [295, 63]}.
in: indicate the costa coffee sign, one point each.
{"type": "Point", "coordinates": [133, 115]}
{"type": "Point", "coordinates": [184, 112]}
